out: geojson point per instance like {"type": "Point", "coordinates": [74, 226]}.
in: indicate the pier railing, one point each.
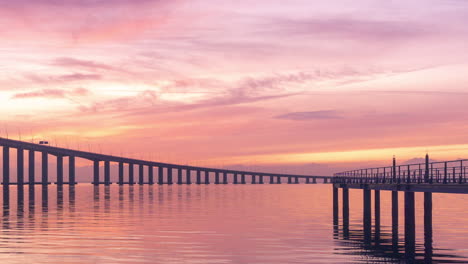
{"type": "Point", "coordinates": [440, 172]}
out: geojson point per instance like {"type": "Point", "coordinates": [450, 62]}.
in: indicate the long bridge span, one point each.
{"type": "Point", "coordinates": [165, 172]}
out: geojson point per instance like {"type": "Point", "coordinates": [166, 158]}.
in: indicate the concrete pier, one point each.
{"type": "Point", "coordinates": [188, 178]}
{"type": "Point", "coordinates": [107, 173]}
{"type": "Point", "coordinates": [216, 177]}
{"type": "Point", "coordinates": [6, 166]}
{"type": "Point", "coordinates": [59, 170]}
{"type": "Point", "coordinates": [367, 214]}
{"type": "Point", "coordinates": [335, 206]}
{"type": "Point", "coordinates": [428, 247]}
{"type": "Point", "coordinates": [71, 171]}
{"type": "Point", "coordinates": [261, 179]}
{"type": "Point", "coordinates": [345, 212]}
{"type": "Point", "coordinates": [45, 168]}
{"type": "Point", "coordinates": [160, 175]}
{"type": "Point", "coordinates": [96, 172]}
{"type": "Point", "coordinates": [131, 179]}
{"type": "Point", "coordinates": [225, 178]}
{"type": "Point", "coordinates": [141, 179]}
{"type": "Point", "coordinates": [243, 179]}
{"type": "Point", "coordinates": [207, 177]}
{"type": "Point", "coordinates": [199, 177]}
{"type": "Point", "coordinates": [31, 167]}
{"type": "Point", "coordinates": [121, 173]}
{"type": "Point", "coordinates": [235, 179]}
{"type": "Point", "coordinates": [20, 166]}
{"type": "Point", "coordinates": [377, 215]}
{"type": "Point", "coordinates": [410, 226]}
{"type": "Point", "coordinates": [395, 221]}
{"type": "Point", "coordinates": [150, 175]}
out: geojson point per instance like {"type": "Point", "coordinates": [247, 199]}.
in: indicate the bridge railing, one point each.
{"type": "Point", "coordinates": [440, 172]}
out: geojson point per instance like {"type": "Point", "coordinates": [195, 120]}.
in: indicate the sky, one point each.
{"type": "Point", "coordinates": [295, 86]}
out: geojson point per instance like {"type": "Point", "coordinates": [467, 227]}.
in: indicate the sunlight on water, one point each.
{"type": "Point", "coordinates": [212, 224]}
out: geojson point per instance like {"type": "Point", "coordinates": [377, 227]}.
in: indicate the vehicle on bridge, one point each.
{"type": "Point", "coordinates": [42, 142]}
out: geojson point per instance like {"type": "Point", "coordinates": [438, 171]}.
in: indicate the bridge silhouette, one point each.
{"type": "Point", "coordinates": [165, 172]}
{"type": "Point", "coordinates": [428, 177]}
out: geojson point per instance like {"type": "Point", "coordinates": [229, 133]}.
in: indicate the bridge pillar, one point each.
{"type": "Point", "coordinates": [335, 206]}
{"type": "Point", "coordinates": [169, 175]}
{"type": "Point", "coordinates": [289, 179]}
{"type": "Point", "coordinates": [31, 167]}
{"type": "Point", "coordinates": [235, 178]}
{"type": "Point", "coordinates": [254, 179]}
{"type": "Point", "coordinates": [410, 234]}
{"type": "Point", "coordinates": [377, 214]}
{"type": "Point", "coordinates": [314, 180]}
{"type": "Point", "coordinates": [160, 175]}
{"type": "Point", "coordinates": [325, 180]}
{"type": "Point", "coordinates": [367, 218]}
{"type": "Point", "coordinates": [346, 213]}
{"type": "Point", "coordinates": [150, 175]}
{"type": "Point", "coordinates": [20, 166]}
{"type": "Point", "coordinates": [131, 177]}
{"type": "Point", "coordinates": [296, 180]}
{"type": "Point", "coordinates": [307, 180]}
{"type": "Point", "coordinates": [272, 180]}
{"type": "Point", "coordinates": [96, 172]}
{"type": "Point", "coordinates": [141, 179]}
{"type": "Point", "coordinates": [243, 178]}
{"type": "Point", "coordinates": [216, 177]}
{"type": "Point", "coordinates": [199, 177]}
{"type": "Point", "coordinates": [107, 172]}
{"type": "Point", "coordinates": [261, 179]}
{"type": "Point", "coordinates": [278, 179]}
{"type": "Point", "coordinates": [179, 176]}
{"type": "Point", "coordinates": [6, 166]}
{"type": "Point", "coordinates": [428, 250]}
{"type": "Point", "coordinates": [59, 170]}
{"type": "Point", "coordinates": [395, 221]}
{"type": "Point", "coordinates": [71, 170]}
{"type": "Point", "coordinates": [45, 168]}
{"type": "Point", "coordinates": [188, 177]}
{"type": "Point", "coordinates": [121, 173]}
{"type": "Point", "coordinates": [207, 177]}
{"type": "Point", "coordinates": [225, 178]}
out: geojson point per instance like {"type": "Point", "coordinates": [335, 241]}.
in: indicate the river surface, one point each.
{"type": "Point", "coordinates": [214, 224]}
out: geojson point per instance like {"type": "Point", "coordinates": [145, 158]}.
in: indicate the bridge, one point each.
{"type": "Point", "coordinates": [428, 177]}
{"type": "Point", "coordinates": [165, 171]}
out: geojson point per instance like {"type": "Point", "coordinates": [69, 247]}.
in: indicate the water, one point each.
{"type": "Point", "coordinates": [212, 224]}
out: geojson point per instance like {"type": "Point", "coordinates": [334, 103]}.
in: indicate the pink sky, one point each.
{"type": "Point", "coordinates": [303, 86]}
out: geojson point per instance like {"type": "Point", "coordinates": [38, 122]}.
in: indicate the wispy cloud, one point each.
{"type": "Point", "coordinates": [313, 115]}
{"type": "Point", "coordinates": [52, 93]}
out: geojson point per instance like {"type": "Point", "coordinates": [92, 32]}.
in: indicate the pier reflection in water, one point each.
{"type": "Point", "coordinates": [387, 246]}
{"type": "Point", "coordinates": [217, 224]}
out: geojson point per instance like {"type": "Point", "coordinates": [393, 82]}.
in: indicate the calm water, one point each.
{"type": "Point", "coordinates": [211, 224]}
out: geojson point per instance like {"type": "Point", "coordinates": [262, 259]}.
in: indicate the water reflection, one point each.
{"type": "Point", "coordinates": [381, 244]}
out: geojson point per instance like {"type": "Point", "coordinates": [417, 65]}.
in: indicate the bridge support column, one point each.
{"type": "Point", "coordinates": [216, 177]}
{"type": "Point", "coordinates": [131, 179]}
{"type": "Point", "coordinates": [199, 177]}
{"type": "Point", "coordinates": [254, 179]}
{"type": "Point", "coordinates": [428, 250]}
{"type": "Point", "coordinates": [45, 168]}
{"type": "Point", "coordinates": [367, 218]}
{"type": "Point", "coordinates": [278, 179]}
{"type": "Point", "coordinates": [141, 179]}
{"type": "Point", "coordinates": [314, 180]}
{"type": "Point", "coordinates": [345, 213]}
{"type": "Point", "coordinates": [188, 177]}
{"type": "Point", "coordinates": [289, 180]}
{"type": "Point", "coordinates": [272, 180]}
{"type": "Point", "coordinates": [395, 221]}
{"type": "Point", "coordinates": [160, 175]}
{"type": "Point", "coordinates": [225, 180]}
{"type": "Point", "coordinates": [96, 172]}
{"type": "Point", "coordinates": [59, 170]}
{"type": "Point", "coordinates": [261, 179]}
{"type": "Point", "coordinates": [179, 176]}
{"type": "Point", "coordinates": [235, 178]}
{"type": "Point", "coordinates": [377, 214]}
{"type": "Point", "coordinates": [335, 206]}
{"type": "Point", "coordinates": [325, 180]}
{"type": "Point", "coordinates": [296, 180]}
{"type": "Point", "coordinates": [410, 236]}
{"type": "Point", "coordinates": [107, 173]}
{"type": "Point", "coordinates": [6, 166]}
{"type": "Point", "coordinates": [307, 180]}
{"type": "Point", "coordinates": [121, 173]}
{"type": "Point", "coordinates": [71, 170]}
{"type": "Point", "coordinates": [169, 175]}
{"type": "Point", "coordinates": [31, 167]}
{"type": "Point", "coordinates": [207, 177]}
{"type": "Point", "coordinates": [20, 167]}
{"type": "Point", "coordinates": [150, 175]}
{"type": "Point", "coordinates": [243, 178]}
